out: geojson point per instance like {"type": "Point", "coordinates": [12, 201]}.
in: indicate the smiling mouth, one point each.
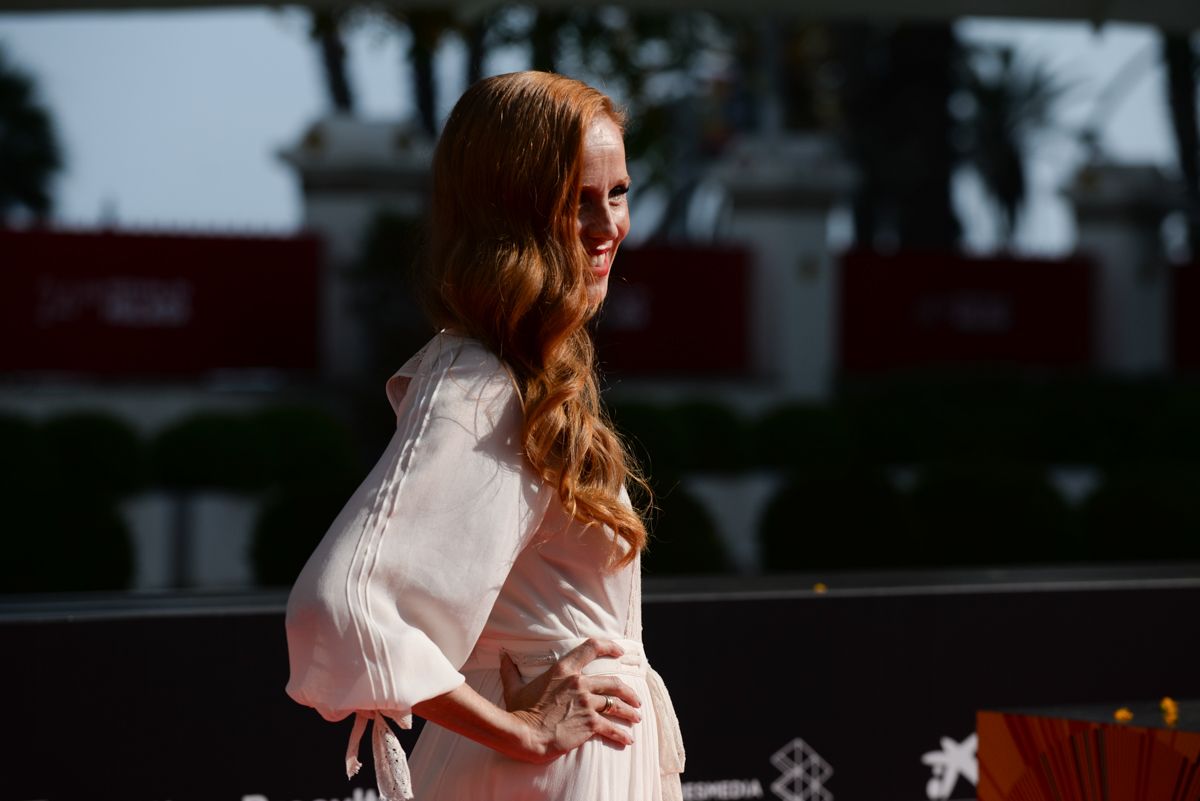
{"type": "Point", "coordinates": [601, 262]}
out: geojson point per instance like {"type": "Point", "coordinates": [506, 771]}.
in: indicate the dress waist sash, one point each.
{"type": "Point", "coordinates": [532, 658]}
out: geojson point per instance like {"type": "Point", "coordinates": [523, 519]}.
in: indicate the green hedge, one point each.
{"type": "Point", "coordinates": [291, 522]}
{"type": "Point", "coordinates": [988, 513]}
{"type": "Point", "coordinates": [209, 451]}
{"type": "Point", "coordinates": [850, 518]}
{"type": "Point", "coordinates": [683, 538]}
{"type": "Point", "coordinates": [94, 452]}
{"type": "Point", "coordinates": [301, 459]}
{"type": "Point", "coordinates": [59, 485]}
{"type": "Point", "coordinates": [958, 514]}
{"type": "Point", "coordinates": [21, 460]}
{"type": "Point", "coordinates": [669, 440]}
{"type": "Point", "coordinates": [1147, 513]}
{"type": "Point", "coordinates": [803, 437]}
{"type": "Point", "coordinates": [55, 544]}
{"type": "Point", "coordinates": [1105, 423]}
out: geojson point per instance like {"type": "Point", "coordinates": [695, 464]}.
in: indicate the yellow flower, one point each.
{"type": "Point", "coordinates": [1123, 715]}
{"type": "Point", "coordinates": [1170, 711]}
{"type": "Point", "coordinates": [820, 587]}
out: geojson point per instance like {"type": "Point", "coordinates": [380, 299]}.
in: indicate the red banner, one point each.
{"type": "Point", "coordinates": [1185, 316]}
{"type": "Point", "coordinates": [675, 311]}
{"type": "Point", "coordinates": [156, 304]}
{"type": "Point", "coordinates": [919, 309]}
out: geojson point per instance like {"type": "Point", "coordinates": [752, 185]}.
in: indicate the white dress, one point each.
{"type": "Point", "coordinates": [451, 550]}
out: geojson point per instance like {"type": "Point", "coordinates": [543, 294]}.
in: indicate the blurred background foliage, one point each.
{"type": "Point", "coordinates": [30, 153]}
{"type": "Point", "coordinates": [922, 471]}
{"type": "Point", "coordinates": [62, 482]}
{"type": "Point", "coordinates": [911, 103]}
{"type": "Point", "coordinates": [908, 470]}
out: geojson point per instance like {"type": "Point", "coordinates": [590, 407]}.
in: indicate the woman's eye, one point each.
{"type": "Point", "coordinates": [617, 191]}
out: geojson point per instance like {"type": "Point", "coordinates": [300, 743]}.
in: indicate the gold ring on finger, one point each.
{"type": "Point", "coordinates": [608, 702]}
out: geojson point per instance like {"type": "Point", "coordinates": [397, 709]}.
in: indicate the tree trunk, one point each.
{"type": "Point", "coordinates": [424, 87]}
{"type": "Point", "coordinates": [925, 56]}
{"type": "Point", "coordinates": [476, 35]}
{"type": "Point", "coordinates": [426, 28]}
{"type": "Point", "coordinates": [544, 40]}
{"type": "Point", "coordinates": [897, 129]}
{"type": "Point", "coordinates": [1181, 93]}
{"type": "Point", "coordinates": [326, 30]}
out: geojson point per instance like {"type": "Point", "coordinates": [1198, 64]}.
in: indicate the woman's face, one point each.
{"type": "Point", "coordinates": [603, 201]}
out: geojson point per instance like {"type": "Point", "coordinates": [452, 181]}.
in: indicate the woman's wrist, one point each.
{"type": "Point", "coordinates": [514, 734]}
{"type": "Point", "coordinates": [532, 743]}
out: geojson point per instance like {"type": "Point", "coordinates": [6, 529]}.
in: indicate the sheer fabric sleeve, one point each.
{"type": "Point", "coordinates": [390, 604]}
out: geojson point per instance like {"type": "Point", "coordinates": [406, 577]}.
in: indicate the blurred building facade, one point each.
{"type": "Point", "coordinates": [157, 329]}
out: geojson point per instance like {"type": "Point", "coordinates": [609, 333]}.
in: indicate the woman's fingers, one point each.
{"type": "Point", "coordinates": [589, 650]}
{"type": "Point", "coordinates": [510, 680]}
{"type": "Point", "coordinates": [611, 685]}
{"type": "Point", "coordinates": [624, 704]}
{"type": "Point", "coordinates": [614, 733]}
{"type": "Point", "coordinates": [613, 707]}
{"type": "Point", "coordinates": [567, 706]}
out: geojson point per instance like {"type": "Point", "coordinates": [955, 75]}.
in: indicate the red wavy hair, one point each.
{"type": "Point", "coordinates": [506, 266]}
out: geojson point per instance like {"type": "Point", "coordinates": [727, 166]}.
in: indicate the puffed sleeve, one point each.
{"type": "Point", "coordinates": [390, 604]}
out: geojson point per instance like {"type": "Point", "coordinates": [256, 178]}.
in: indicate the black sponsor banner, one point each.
{"type": "Point", "coordinates": [856, 694]}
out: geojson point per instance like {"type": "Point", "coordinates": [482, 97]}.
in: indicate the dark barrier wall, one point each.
{"type": "Point", "coordinates": [858, 694]}
{"type": "Point", "coordinates": [104, 303]}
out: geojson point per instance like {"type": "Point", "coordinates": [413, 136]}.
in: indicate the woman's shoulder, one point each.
{"type": "Point", "coordinates": [472, 367]}
{"type": "Point", "coordinates": [448, 347]}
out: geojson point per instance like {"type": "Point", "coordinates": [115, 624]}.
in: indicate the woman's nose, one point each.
{"type": "Point", "coordinates": [600, 223]}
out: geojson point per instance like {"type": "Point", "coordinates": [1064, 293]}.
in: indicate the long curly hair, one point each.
{"type": "Point", "coordinates": [505, 265]}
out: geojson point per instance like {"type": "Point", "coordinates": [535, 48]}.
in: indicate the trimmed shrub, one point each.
{"type": "Point", "coordinates": [302, 444]}
{"type": "Point", "coordinates": [21, 462]}
{"type": "Point", "coordinates": [800, 437]}
{"type": "Point", "coordinates": [1148, 514]}
{"type": "Point", "coordinates": [56, 546]}
{"type": "Point", "coordinates": [289, 526]}
{"type": "Point", "coordinates": [714, 438]}
{"type": "Point", "coordinates": [982, 513]}
{"type": "Point", "coordinates": [654, 436]}
{"type": "Point", "coordinates": [830, 519]}
{"type": "Point", "coordinates": [209, 450]}
{"type": "Point", "coordinates": [683, 538]}
{"type": "Point", "coordinates": [93, 452]}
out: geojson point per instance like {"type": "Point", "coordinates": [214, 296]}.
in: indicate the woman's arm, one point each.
{"type": "Point", "coordinates": [553, 714]}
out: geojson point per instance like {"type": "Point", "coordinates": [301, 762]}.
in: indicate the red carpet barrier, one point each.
{"type": "Point", "coordinates": [867, 692]}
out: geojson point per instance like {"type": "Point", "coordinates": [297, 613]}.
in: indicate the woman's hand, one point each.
{"type": "Point", "coordinates": [563, 708]}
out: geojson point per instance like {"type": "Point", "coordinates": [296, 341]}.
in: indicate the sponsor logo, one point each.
{"type": "Point", "coordinates": [803, 777]}
{"type": "Point", "coordinates": [724, 790]}
{"type": "Point", "coordinates": [359, 794]}
{"type": "Point", "coordinates": [953, 762]}
{"type": "Point", "coordinates": [804, 773]}
{"type": "Point", "coordinates": [122, 302]}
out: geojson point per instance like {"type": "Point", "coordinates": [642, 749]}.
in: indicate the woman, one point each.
{"type": "Point", "coordinates": [485, 576]}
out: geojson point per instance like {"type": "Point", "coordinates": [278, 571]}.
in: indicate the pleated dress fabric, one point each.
{"type": "Point", "coordinates": [451, 551]}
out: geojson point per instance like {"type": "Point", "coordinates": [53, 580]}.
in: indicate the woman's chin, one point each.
{"type": "Point", "coordinates": [598, 290]}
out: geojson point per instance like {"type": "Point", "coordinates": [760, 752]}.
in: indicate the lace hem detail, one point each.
{"type": "Point", "coordinates": [391, 765]}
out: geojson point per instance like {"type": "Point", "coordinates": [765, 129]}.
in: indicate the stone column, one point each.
{"type": "Point", "coordinates": [780, 191]}
{"type": "Point", "coordinates": [1119, 211]}
{"type": "Point", "coordinates": [350, 171]}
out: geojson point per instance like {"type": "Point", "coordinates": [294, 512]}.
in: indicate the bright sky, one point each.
{"type": "Point", "coordinates": [174, 118]}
